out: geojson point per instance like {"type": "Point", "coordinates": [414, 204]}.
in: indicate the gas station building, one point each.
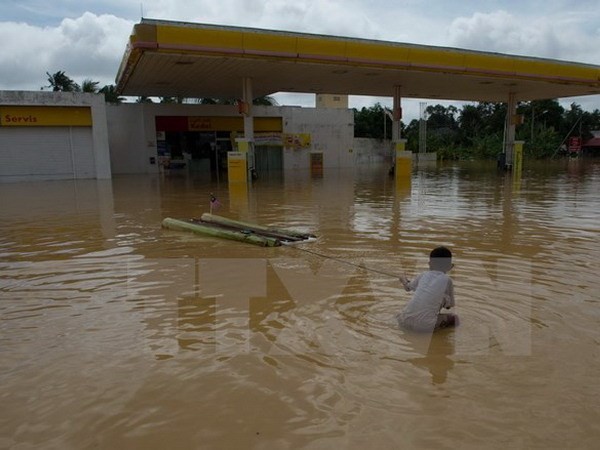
{"type": "Point", "coordinates": [187, 60]}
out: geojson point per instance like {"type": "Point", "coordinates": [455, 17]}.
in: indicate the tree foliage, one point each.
{"type": "Point", "coordinates": [110, 94]}
{"type": "Point", "coordinates": [265, 101]}
{"type": "Point", "coordinates": [477, 130]}
{"type": "Point", "coordinates": [172, 100]}
{"type": "Point", "coordinates": [144, 99]}
{"type": "Point", "coordinates": [89, 86]}
{"type": "Point", "coordinates": [59, 82]}
{"type": "Point", "coordinates": [369, 122]}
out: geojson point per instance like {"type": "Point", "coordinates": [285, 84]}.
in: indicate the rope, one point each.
{"type": "Point", "coordinates": [343, 261]}
{"type": "Point", "coordinates": [565, 138]}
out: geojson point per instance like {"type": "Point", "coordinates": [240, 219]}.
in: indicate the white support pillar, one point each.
{"type": "Point", "coordinates": [402, 158]}
{"type": "Point", "coordinates": [248, 118]}
{"type": "Point", "coordinates": [509, 131]}
{"type": "Point", "coordinates": [397, 114]}
{"type": "Point", "coordinates": [246, 110]}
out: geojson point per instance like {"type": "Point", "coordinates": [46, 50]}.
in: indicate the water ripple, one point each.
{"type": "Point", "coordinates": [116, 333]}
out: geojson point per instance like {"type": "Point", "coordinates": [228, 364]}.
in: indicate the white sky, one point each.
{"type": "Point", "coordinates": [87, 38]}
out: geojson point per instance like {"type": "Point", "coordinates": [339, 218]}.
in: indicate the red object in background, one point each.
{"type": "Point", "coordinates": [171, 123]}
{"type": "Point", "coordinates": [243, 107]}
{"type": "Point", "coordinates": [397, 114]}
{"type": "Point", "coordinates": [574, 144]}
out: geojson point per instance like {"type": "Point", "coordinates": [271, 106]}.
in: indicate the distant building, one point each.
{"type": "Point", "coordinates": [592, 146]}
{"type": "Point", "coordinates": [332, 101]}
{"type": "Point", "coordinates": [73, 135]}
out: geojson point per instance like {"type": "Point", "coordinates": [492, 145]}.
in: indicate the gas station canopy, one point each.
{"type": "Point", "coordinates": [165, 58]}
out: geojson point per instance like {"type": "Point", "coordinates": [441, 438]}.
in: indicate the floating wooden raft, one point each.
{"type": "Point", "coordinates": [222, 227]}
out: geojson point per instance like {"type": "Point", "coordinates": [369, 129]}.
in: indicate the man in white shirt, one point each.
{"type": "Point", "coordinates": [433, 291]}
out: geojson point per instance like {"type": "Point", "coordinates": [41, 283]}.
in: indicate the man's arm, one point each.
{"type": "Point", "coordinates": [449, 295]}
{"type": "Point", "coordinates": [410, 285]}
{"type": "Point", "coordinates": [405, 282]}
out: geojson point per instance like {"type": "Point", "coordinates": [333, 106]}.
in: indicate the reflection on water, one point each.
{"type": "Point", "coordinates": [437, 351]}
{"type": "Point", "coordinates": [115, 333]}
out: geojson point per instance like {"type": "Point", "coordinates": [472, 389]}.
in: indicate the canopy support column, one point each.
{"type": "Point", "coordinates": [245, 145]}
{"type": "Point", "coordinates": [397, 111]}
{"type": "Point", "coordinates": [509, 131]}
{"type": "Point", "coordinates": [402, 158]}
{"type": "Point", "coordinates": [248, 118]}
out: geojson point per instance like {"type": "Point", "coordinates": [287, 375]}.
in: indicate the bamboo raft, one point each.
{"type": "Point", "coordinates": [222, 227]}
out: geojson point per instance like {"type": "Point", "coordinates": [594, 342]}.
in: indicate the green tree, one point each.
{"type": "Point", "coordinates": [493, 116]}
{"type": "Point", "coordinates": [111, 95]}
{"type": "Point", "coordinates": [411, 134]}
{"type": "Point", "coordinates": [443, 130]}
{"type": "Point", "coordinates": [143, 99]}
{"type": "Point", "coordinates": [470, 124]}
{"type": "Point", "coordinates": [440, 117]}
{"type": "Point", "coordinates": [546, 144]}
{"type": "Point", "coordinates": [59, 82]}
{"type": "Point", "coordinates": [173, 100]}
{"type": "Point", "coordinates": [481, 129]}
{"type": "Point", "coordinates": [89, 86]}
{"type": "Point", "coordinates": [590, 122]}
{"type": "Point", "coordinates": [265, 101]}
{"type": "Point", "coordinates": [542, 120]}
{"type": "Point", "coordinates": [485, 146]}
{"type": "Point", "coordinates": [216, 101]}
{"type": "Point", "coordinates": [551, 114]}
{"type": "Point", "coordinates": [369, 122]}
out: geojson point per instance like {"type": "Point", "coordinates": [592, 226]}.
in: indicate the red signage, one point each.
{"type": "Point", "coordinates": [574, 144]}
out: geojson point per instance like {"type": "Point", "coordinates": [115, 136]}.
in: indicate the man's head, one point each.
{"type": "Point", "coordinates": [440, 259]}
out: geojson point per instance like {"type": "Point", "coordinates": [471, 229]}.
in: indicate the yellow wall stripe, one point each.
{"type": "Point", "coordinates": [45, 116]}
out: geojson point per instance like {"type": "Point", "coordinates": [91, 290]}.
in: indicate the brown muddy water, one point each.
{"type": "Point", "coordinates": [115, 333]}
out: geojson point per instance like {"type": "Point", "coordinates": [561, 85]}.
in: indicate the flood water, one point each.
{"type": "Point", "coordinates": [116, 333]}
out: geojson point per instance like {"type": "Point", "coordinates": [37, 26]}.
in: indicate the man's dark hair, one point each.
{"type": "Point", "coordinates": [440, 258]}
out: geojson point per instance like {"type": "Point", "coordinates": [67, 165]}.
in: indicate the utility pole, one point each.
{"type": "Point", "coordinates": [423, 128]}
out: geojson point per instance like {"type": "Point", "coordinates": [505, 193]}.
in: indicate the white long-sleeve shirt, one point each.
{"type": "Point", "coordinates": [433, 291]}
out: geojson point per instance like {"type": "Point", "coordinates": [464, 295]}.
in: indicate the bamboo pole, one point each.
{"type": "Point", "coordinates": [278, 232]}
{"type": "Point", "coordinates": [205, 229]}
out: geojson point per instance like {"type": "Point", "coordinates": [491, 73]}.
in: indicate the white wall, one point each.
{"type": "Point", "coordinates": [331, 130]}
{"type": "Point", "coordinates": [100, 136]}
{"type": "Point", "coordinates": [132, 131]}
{"type": "Point", "coordinates": [126, 139]}
{"type": "Point", "coordinates": [368, 150]}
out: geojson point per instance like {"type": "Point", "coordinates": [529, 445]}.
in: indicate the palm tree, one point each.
{"type": "Point", "coordinates": [59, 82]}
{"type": "Point", "coordinates": [144, 99]}
{"type": "Point", "coordinates": [111, 95]}
{"type": "Point", "coordinates": [267, 100]}
{"type": "Point", "coordinates": [178, 100]}
{"type": "Point", "coordinates": [89, 86]}
{"type": "Point", "coordinates": [216, 101]}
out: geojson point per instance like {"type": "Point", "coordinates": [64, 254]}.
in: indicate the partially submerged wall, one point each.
{"type": "Point", "coordinates": [133, 137]}
{"type": "Point", "coordinates": [369, 151]}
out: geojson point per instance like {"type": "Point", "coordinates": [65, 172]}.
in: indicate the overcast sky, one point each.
{"type": "Point", "coordinates": [87, 38]}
